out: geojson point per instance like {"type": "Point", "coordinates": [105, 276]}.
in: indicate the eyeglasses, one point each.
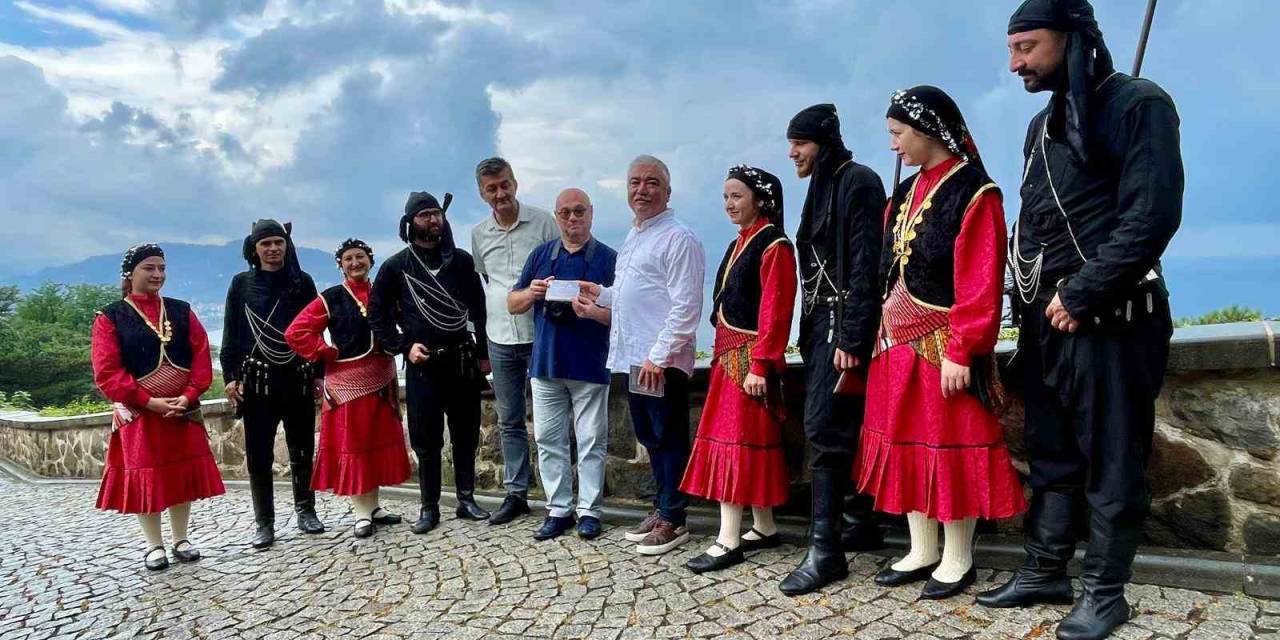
{"type": "Point", "coordinates": [577, 212]}
{"type": "Point", "coordinates": [428, 213]}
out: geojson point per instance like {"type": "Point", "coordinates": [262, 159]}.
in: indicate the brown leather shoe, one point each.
{"type": "Point", "coordinates": [638, 532]}
{"type": "Point", "coordinates": [664, 537]}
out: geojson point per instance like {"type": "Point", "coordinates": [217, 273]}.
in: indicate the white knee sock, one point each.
{"type": "Point", "coordinates": [924, 543]}
{"type": "Point", "coordinates": [150, 524]}
{"type": "Point", "coordinates": [957, 550]}
{"type": "Point", "coordinates": [364, 504]}
{"type": "Point", "coordinates": [179, 517]}
{"type": "Point", "coordinates": [730, 528]}
{"type": "Point", "coordinates": [762, 522]}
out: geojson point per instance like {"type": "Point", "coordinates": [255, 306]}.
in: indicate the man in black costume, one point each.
{"type": "Point", "coordinates": [427, 304]}
{"type": "Point", "coordinates": [838, 248]}
{"type": "Point", "coordinates": [267, 383]}
{"type": "Point", "coordinates": [1101, 198]}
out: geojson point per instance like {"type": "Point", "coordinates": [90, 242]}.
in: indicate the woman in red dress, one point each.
{"type": "Point", "coordinates": [737, 456]}
{"type": "Point", "coordinates": [932, 447]}
{"type": "Point", "coordinates": [361, 437]}
{"type": "Point", "coordinates": [151, 360]}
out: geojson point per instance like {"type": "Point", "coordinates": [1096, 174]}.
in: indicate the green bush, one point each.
{"type": "Point", "coordinates": [1233, 313]}
{"type": "Point", "coordinates": [78, 407]}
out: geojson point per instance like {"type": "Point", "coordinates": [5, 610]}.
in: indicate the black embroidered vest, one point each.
{"type": "Point", "coordinates": [738, 288]}
{"type": "Point", "coordinates": [140, 348]}
{"type": "Point", "coordinates": [924, 251]}
{"type": "Point", "coordinates": [348, 329]}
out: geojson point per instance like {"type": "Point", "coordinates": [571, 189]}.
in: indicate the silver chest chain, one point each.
{"type": "Point", "coordinates": [812, 284]}
{"type": "Point", "coordinates": [1027, 271]}
{"type": "Point", "coordinates": [433, 301]}
{"type": "Point", "coordinates": [269, 348]}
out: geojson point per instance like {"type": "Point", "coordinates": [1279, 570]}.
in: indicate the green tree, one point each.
{"type": "Point", "coordinates": [1233, 313]}
{"type": "Point", "coordinates": [45, 342]}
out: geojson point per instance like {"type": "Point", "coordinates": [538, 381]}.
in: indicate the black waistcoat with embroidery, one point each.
{"type": "Point", "coordinates": [925, 251]}
{"type": "Point", "coordinates": [140, 346]}
{"type": "Point", "coordinates": [348, 328]}
{"type": "Point", "coordinates": [738, 287]}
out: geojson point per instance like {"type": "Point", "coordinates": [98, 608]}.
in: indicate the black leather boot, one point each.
{"type": "Point", "coordinates": [860, 528]}
{"type": "Point", "coordinates": [427, 520]}
{"type": "Point", "coordinates": [264, 509]}
{"type": "Point", "coordinates": [1107, 567]}
{"type": "Point", "coordinates": [429, 490]}
{"type": "Point", "coordinates": [824, 563]}
{"type": "Point", "coordinates": [1051, 531]}
{"type": "Point", "coordinates": [304, 499]}
{"type": "Point", "coordinates": [468, 509]}
{"type": "Point", "coordinates": [464, 481]}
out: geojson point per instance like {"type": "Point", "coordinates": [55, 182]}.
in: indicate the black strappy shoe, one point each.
{"type": "Point", "coordinates": [707, 562]}
{"type": "Point", "coordinates": [382, 516]}
{"type": "Point", "coordinates": [364, 528]}
{"type": "Point", "coordinates": [160, 563]}
{"type": "Point", "coordinates": [762, 542]}
{"type": "Point", "coordinates": [190, 554]}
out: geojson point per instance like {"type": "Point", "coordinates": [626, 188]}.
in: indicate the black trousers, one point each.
{"type": "Point", "coordinates": [1090, 402]}
{"type": "Point", "coordinates": [832, 423]}
{"type": "Point", "coordinates": [432, 391]}
{"type": "Point", "coordinates": [263, 412]}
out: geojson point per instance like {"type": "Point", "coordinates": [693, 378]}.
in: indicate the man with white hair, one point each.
{"type": "Point", "coordinates": [656, 304]}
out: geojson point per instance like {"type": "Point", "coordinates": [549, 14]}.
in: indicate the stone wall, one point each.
{"type": "Point", "coordinates": [1215, 468]}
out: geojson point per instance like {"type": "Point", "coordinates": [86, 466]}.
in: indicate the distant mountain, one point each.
{"type": "Point", "coordinates": [198, 273]}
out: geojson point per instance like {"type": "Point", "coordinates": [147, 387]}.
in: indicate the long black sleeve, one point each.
{"type": "Point", "coordinates": [1149, 205]}
{"type": "Point", "coordinates": [861, 203]}
{"type": "Point", "coordinates": [384, 300]}
{"type": "Point", "coordinates": [229, 354]}
{"type": "Point", "coordinates": [474, 292]}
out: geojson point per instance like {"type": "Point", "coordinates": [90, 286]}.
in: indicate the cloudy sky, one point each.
{"type": "Point", "coordinates": [131, 120]}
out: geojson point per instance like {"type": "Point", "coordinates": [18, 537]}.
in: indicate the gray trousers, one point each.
{"type": "Point", "coordinates": [553, 401]}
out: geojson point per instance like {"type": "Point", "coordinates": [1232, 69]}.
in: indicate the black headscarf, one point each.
{"type": "Point", "coordinates": [268, 228]}
{"type": "Point", "coordinates": [931, 111]}
{"type": "Point", "coordinates": [135, 255]}
{"type": "Point", "coordinates": [766, 187]}
{"type": "Point", "coordinates": [1087, 60]}
{"type": "Point", "coordinates": [819, 124]}
{"type": "Point", "coordinates": [353, 243]}
{"type": "Point", "coordinates": [421, 201]}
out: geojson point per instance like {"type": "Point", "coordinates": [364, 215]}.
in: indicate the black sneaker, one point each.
{"type": "Point", "coordinates": [512, 507]}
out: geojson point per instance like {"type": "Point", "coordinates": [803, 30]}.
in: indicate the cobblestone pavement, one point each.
{"type": "Point", "coordinates": [69, 571]}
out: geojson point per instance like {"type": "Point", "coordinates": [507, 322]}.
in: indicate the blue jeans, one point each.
{"type": "Point", "coordinates": [554, 401]}
{"type": "Point", "coordinates": [510, 364]}
{"type": "Point", "coordinates": [662, 426]}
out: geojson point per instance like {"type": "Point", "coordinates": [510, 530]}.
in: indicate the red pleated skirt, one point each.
{"type": "Point", "coordinates": [945, 458]}
{"type": "Point", "coordinates": [155, 462]}
{"type": "Point", "coordinates": [361, 446]}
{"type": "Point", "coordinates": [737, 454]}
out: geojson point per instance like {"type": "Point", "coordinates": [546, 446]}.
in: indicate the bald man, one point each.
{"type": "Point", "coordinates": [568, 371]}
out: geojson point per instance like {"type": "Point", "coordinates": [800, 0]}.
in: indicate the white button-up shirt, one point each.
{"type": "Point", "coordinates": [500, 255]}
{"type": "Point", "coordinates": [656, 297]}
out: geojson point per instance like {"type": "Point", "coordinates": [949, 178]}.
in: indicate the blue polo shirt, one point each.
{"type": "Point", "coordinates": [578, 348]}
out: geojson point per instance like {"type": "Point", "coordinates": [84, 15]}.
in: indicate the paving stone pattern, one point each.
{"type": "Point", "coordinates": [69, 571]}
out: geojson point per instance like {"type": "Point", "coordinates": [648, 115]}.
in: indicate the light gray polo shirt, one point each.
{"type": "Point", "coordinates": [500, 255]}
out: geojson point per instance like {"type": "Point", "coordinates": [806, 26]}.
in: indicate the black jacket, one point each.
{"type": "Point", "coordinates": [259, 290]}
{"type": "Point", "coordinates": [855, 193]}
{"type": "Point", "coordinates": [1124, 205]}
{"type": "Point", "coordinates": [393, 314]}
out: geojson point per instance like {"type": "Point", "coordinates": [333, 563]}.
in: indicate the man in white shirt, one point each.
{"type": "Point", "coordinates": [500, 245]}
{"type": "Point", "coordinates": [656, 304]}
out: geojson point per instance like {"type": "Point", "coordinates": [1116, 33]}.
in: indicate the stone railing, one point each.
{"type": "Point", "coordinates": [1215, 469]}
